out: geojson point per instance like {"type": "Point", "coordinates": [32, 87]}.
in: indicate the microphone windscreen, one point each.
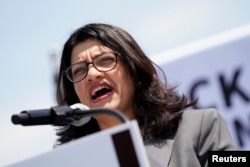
{"type": "Point", "coordinates": [82, 120]}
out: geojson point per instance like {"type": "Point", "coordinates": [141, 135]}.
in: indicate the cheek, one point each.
{"type": "Point", "coordinates": [129, 88]}
{"type": "Point", "coordinates": [81, 92]}
{"type": "Point", "coordinates": [127, 84]}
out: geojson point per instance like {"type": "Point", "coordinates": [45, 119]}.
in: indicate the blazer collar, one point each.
{"type": "Point", "coordinates": [159, 151]}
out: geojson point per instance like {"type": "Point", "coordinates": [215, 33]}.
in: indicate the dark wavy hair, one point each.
{"type": "Point", "coordinates": [157, 105]}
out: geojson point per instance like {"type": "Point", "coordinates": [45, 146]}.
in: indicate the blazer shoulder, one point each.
{"type": "Point", "coordinates": [210, 112]}
{"type": "Point", "coordinates": [192, 124]}
{"type": "Point", "coordinates": [200, 131]}
{"type": "Point", "coordinates": [195, 117]}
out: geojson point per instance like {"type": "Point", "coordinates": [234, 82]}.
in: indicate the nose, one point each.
{"type": "Point", "coordinates": [93, 73]}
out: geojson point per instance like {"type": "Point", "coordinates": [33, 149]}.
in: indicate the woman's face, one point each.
{"type": "Point", "coordinates": [113, 89]}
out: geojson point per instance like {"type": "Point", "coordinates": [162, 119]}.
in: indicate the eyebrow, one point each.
{"type": "Point", "coordinates": [94, 56]}
{"type": "Point", "coordinates": [100, 54]}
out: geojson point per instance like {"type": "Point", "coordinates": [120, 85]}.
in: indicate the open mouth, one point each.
{"type": "Point", "coordinates": [101, 91]}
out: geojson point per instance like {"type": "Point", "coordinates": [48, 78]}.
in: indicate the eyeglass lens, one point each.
{"type": "Point", "coordinates": [102, 63]}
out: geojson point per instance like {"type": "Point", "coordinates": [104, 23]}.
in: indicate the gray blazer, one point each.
{"type": "Point", "coordinates": [199, 131]}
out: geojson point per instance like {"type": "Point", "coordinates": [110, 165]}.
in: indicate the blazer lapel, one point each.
{"type": "Point", "coordinates": [159, 151]}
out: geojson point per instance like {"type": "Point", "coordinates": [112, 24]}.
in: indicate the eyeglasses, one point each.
{"type": "Point", "coordinates": [103, 63]}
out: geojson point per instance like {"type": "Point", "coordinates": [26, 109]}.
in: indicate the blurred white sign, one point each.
{"type": "Point", "coordinates": [217, 71]}
{"type": "Point", "coordinates": [115, 147]}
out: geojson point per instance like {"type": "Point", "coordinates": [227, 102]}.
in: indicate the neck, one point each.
{"type": "Point", "coordinates": [106, 122]}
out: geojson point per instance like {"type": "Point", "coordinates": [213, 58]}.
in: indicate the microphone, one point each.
{"type": "Point", "coordinates": [77, 115]}
{"type": "Point", "coordinates": [81, 120]}
{"type": "Point", "coordinates": [59, 115]}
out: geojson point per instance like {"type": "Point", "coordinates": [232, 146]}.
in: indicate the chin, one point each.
{"type": "Point", "coordinates": [103, 105]}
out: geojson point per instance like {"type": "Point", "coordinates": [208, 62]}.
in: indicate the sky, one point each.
{"type": "Point", "coordinates": [31, 31]}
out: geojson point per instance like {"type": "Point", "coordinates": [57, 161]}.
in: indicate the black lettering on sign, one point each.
{"type": "Point", "coordinates": [195, 88]}
{"type": "Point", "coordinates": [232, 87]}
{"type": "Point", "coordinates": [241, 130]}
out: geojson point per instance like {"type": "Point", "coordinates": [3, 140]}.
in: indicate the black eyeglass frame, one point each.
{"type": "Point", "coordinates": [67, 70]}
